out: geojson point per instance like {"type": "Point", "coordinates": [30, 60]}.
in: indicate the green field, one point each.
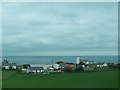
{"type": "Point", "coordinates": [109, 79]}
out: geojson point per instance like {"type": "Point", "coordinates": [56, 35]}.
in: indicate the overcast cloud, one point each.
{"type": "Point", "coordinates": [60, 28]}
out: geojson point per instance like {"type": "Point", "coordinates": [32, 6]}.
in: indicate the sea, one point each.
{"type": "Point", "coordinates": [53, 59]}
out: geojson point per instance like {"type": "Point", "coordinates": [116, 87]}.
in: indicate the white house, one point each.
{"type": "Point", "coordinates": [46, 66]}
{"type": "Point", "coordinates": [105, 65]}
{"type": "Point", "coordinates": [56, 66]}
{"type": "Point", "coordinates": [83, 65]}
{"type": "Point", "coordinates": [13, 65]}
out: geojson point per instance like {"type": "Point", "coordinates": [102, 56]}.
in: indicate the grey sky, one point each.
{"type": "Point", "coordinates": [0, 31]}
{"type": "Point", "coordinates": [60, 28]}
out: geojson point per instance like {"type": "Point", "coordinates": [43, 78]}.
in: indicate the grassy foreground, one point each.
{"type": "Point", "coordinates": [109, 79]}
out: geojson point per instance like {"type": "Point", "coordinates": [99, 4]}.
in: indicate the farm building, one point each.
{"type": "Point", "coordinates": [89, 67]}
{"type": "Point", "coordinates": [38, 70]}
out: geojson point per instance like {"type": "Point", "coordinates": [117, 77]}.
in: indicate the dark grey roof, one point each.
{"type": "Point", "coordinates": [69, 63]}
{"type": "Point", "coordinates": [35, 68]}
{"type": "Point", "coordinates": [19, 65]}
{"type": "Point", "coordinates": [9, 64]}
{"type": "Point", "coordinates": [6, 64]}
{"type": "Point", "coordinates": [13, 64]}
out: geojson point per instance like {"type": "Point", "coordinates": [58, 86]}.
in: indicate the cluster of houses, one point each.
{"type": "Point", "coordinates": [57, 67]}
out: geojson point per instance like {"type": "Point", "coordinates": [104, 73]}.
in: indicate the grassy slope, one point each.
{"type": "Point", "coordinates": [0, 79]}
{"type": "Point", "coordinates": [73, 80]}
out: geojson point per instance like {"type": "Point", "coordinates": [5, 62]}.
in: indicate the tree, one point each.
{"type": "Point", "coordinates": [26, 66]}
{"type": "Point", "coordinates": [79, 68]}
{"type": "Point", "coordinates": [68, 68]}
{"type": "Point", "coordinates": [81, 63]}
{"type": "Point", "coordinates": [11, 68]}
{"type": "Point", "coordinates": [112, 66]}
{"type": "Point", "coordinates": [19, 68]}
{"type": "Point", "coordinates": [3, 68]}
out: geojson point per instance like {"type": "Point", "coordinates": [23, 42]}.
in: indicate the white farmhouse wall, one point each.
{"type": "Point", "coordinates": [7, 67]}
{"type": "Point", "coordinates": [14, 67]}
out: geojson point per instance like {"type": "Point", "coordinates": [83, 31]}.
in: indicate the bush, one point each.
{"type": "Point", "coordinates": [78, 69]}
{"type": "Point", "coordinates": [68, 69]}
